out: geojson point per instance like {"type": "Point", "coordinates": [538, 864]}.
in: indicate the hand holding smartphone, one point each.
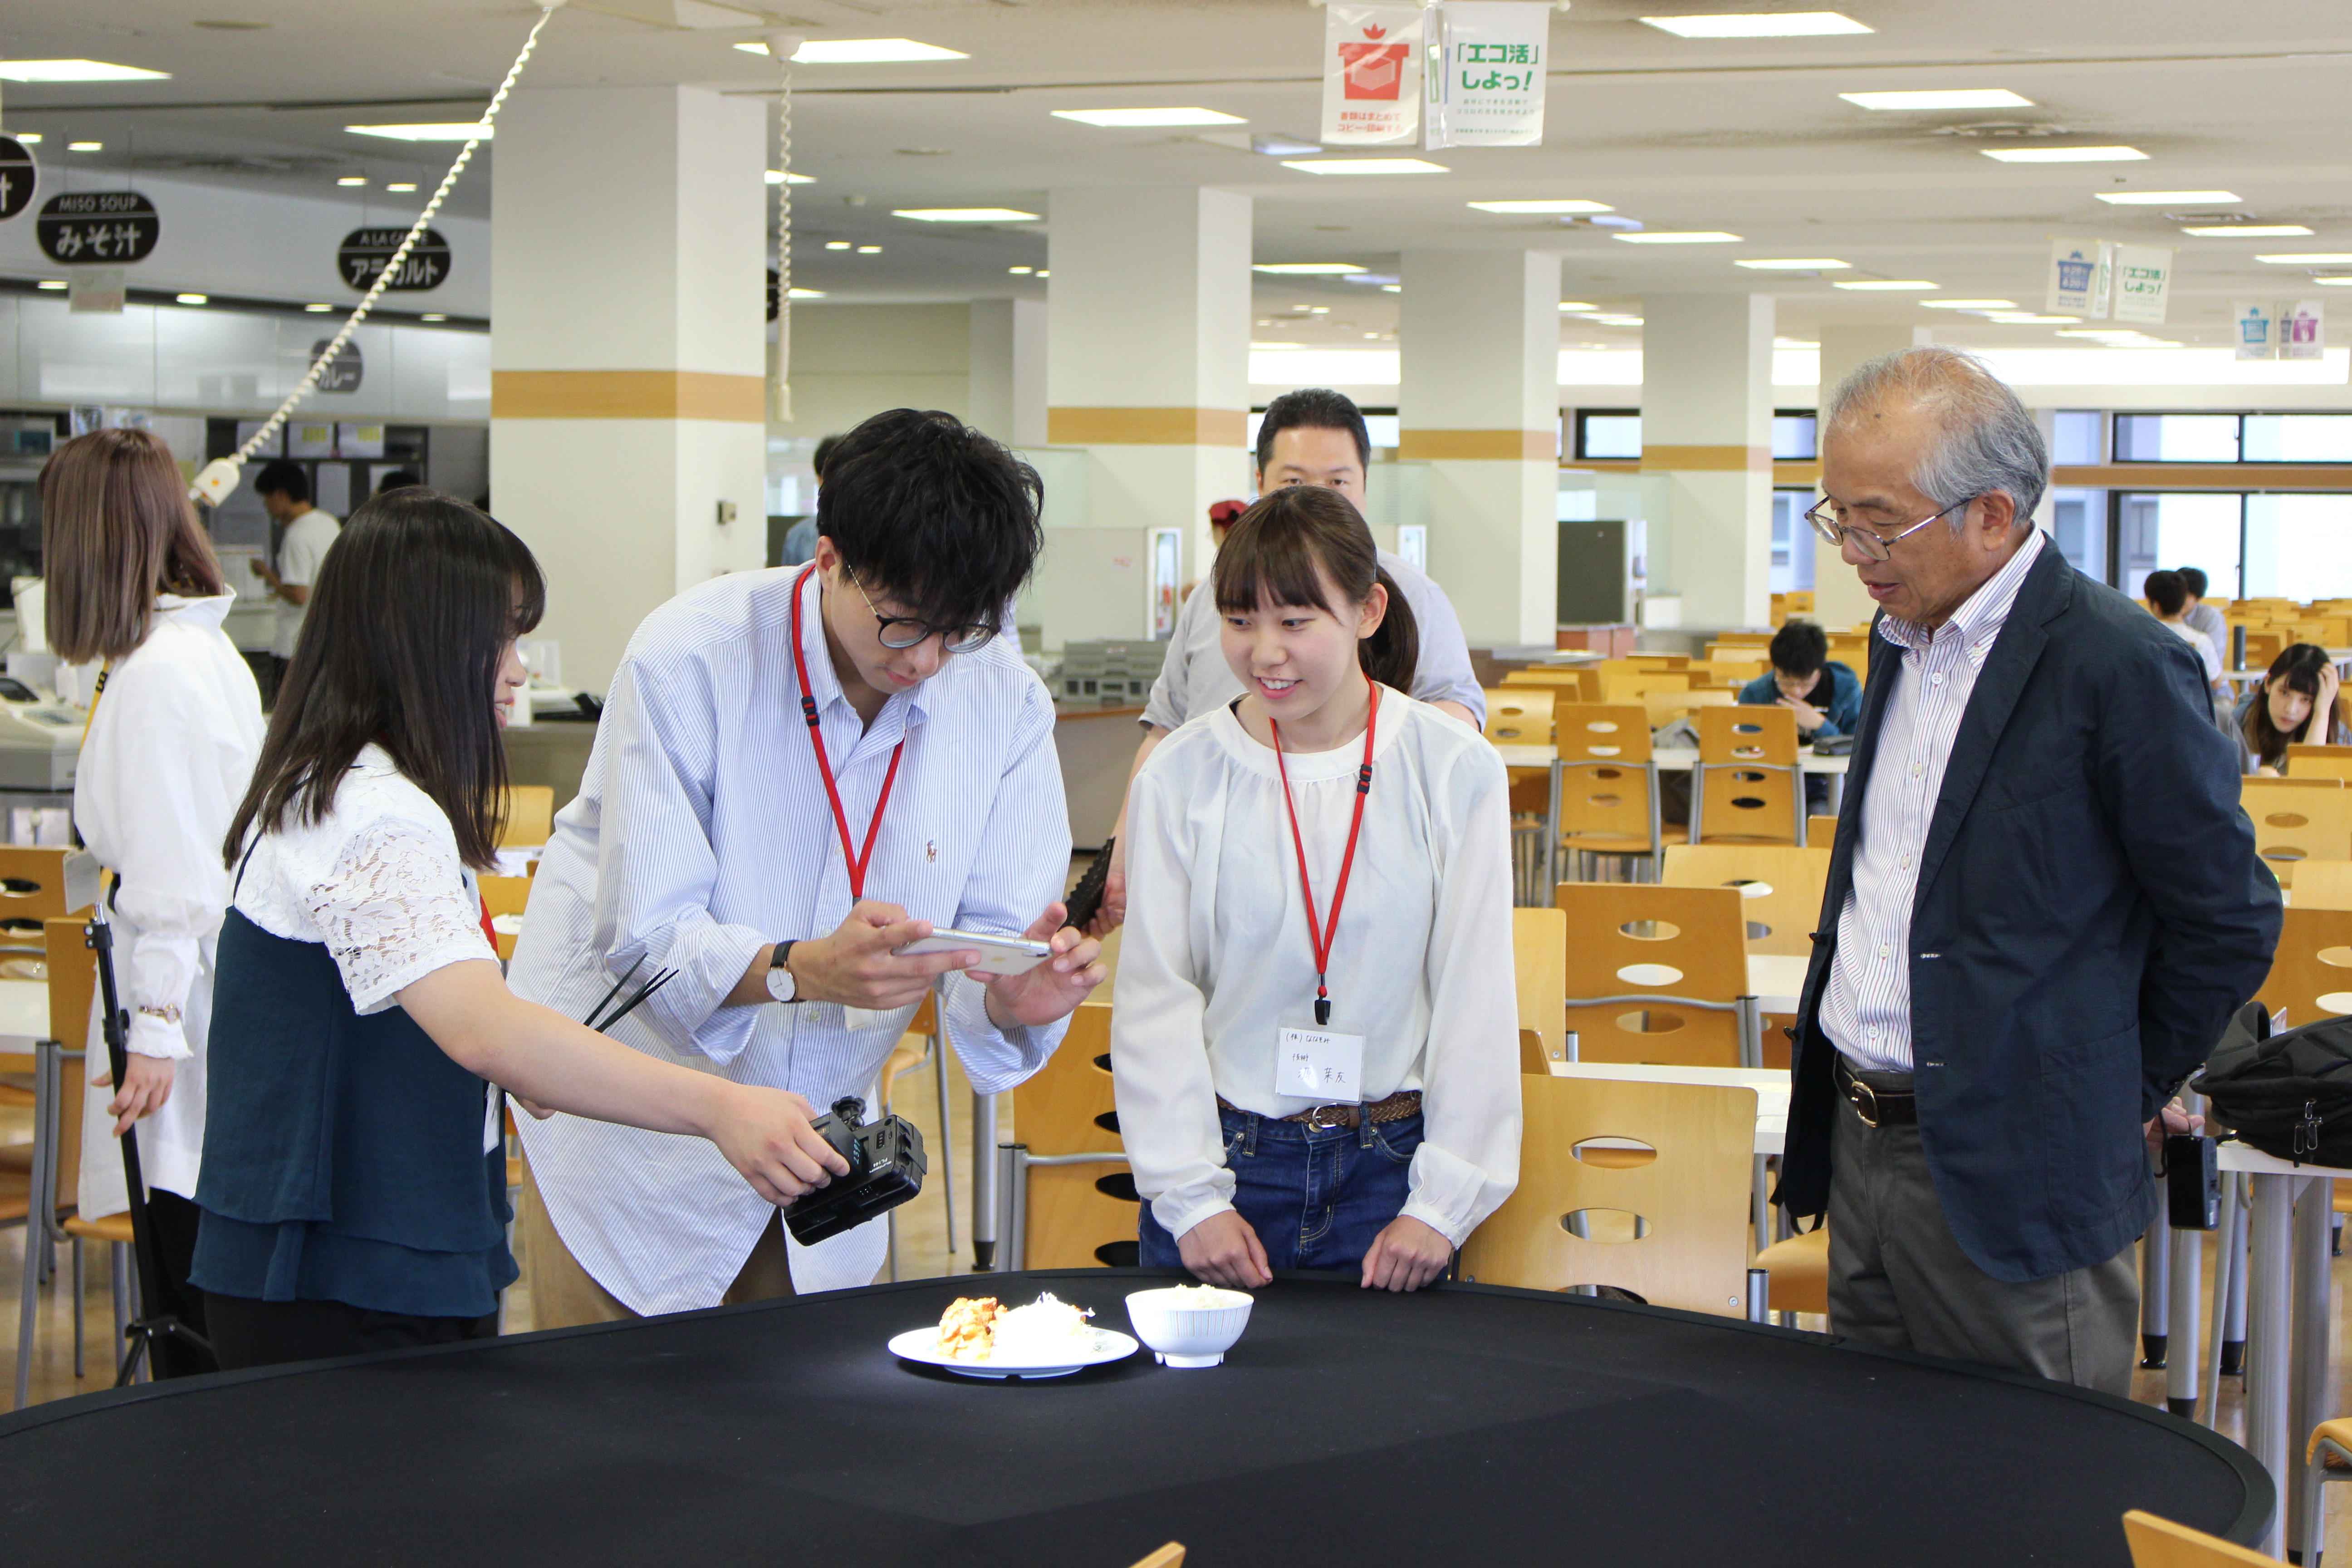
{"type": "Point", "coordinates": [997, 954]}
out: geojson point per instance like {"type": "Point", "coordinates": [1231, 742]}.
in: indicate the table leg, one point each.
{"type": "Point", "coordinates": [947, 1132]}
{"type": "Point", "coordinates": [2269, 1301]}
{"type": "Point", "coordinates": [1759, 1206]}
{"type": "Point", "coordinates": [2182, 1366]}
{"type": "Point", "coordinates": [1551, 837]}
{"type": "Point", "coordinates": [2233, 1327]}
{"type": "Point", "coordinates": [1837, 793]}
{"type": "Point", "coordinates": [2155, 1290]}
{"type": "Point", "coordinates": [983, 1181]}
{"type": "Point", "coordinates": [2308, 1392]}
{"type": "Point", "coordinates": [2229, 1283]}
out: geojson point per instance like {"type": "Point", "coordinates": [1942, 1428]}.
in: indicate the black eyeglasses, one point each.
{"type": "Point", "coordinates": [910, 631]}
{"type": "Point", "coordinates": [1872, 544]}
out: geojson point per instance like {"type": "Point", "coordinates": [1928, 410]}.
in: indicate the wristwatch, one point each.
{"type": "Point", "coordinates": [781, 984]}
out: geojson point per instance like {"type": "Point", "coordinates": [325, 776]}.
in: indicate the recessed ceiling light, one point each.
{"type": "Point", "coordinates": [2166, 198]}
{"type": "Point", "coordinates": [2028, 319]}
{"type": "Point", "coordinates": [318, 309]}
{"type": "Point", "coordinates": [1787, 24]}
{"type": "Point", "coordinates": [439, 131]}
{"type": "Point", "coordinates": [2322, 282]}
{"type": "Point", "coordinates": [1811, 264]}
{"type": "Point", "coordinates": [1697, 236]}
{"type": "Point", "coordinates": [29, 138]}
{"type": "Point", "coordinates": [779, 177]}
{"type": "Point", "coordinates": [870, 250]}
{"type": "Point", "coordinates": [1260, 345]}
{"type": "Point", "coordinates": [2064, 155]}
{"type": "Point", "coordinates": [861, 51]}
{"type": "Point", "coordinates": [1123, 117]}
{"type": "Point", "coordinates": [1307, 269]}
{"type": "Point", "coordinates": [837, 245]}
{"type": "Point", "coordinates": [1969, 304]}
{"type": "Point", "coordinates": [85, 146]}
{"type": "Point", "coordinates": [1795, 344]}
{"type": "Point", "coordinates": [194, 299]}
{"type": "Point", "coordinates": [1888, 285]}
{"type": "Point", "coordinates": [1953, 98]}
{"type": "Point", "coordinates": [1020, 271]}
{"type": "Point", "coordinates": [433, 316]}
{"type": "Point", "coordinates": [1618, 321]}
{"type": "Point", "coordinates": [806, 293]}
{"type": "Point", "coordinates": [2310, 257]}
{"type": "Point", "coordinates": [1045, 272]}
{"type": "Point", "coordinates": [403, 186]}
{"type": "Point", "coordinates": [965, 215]}
{"type": "Point", "coordinates": [52, 283]}
{"type": "Point", "coordinates": [1570, 206]}
{"type": "Point", "coordinates": [1364, 166]}
{"type": "Point", "coordinates": [74, 70]}
{"type": "Point", "coordinates": [1577, 305]}
{"type": "Point", "coordinates": [2246, 230]}
{"type": "Point", "coordinates": [353, 180]}
{"type": "Point", "coordinates": [1392, 288]}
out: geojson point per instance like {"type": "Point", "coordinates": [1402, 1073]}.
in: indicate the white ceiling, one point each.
{"type": "Point", "coordinates": [1748, 136]}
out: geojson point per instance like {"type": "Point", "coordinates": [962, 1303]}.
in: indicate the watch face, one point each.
{"type": "Point", "coordinates": [780, 983]}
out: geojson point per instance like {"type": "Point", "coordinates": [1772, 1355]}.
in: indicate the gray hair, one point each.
{"type": "Point", "coordinates": [1987, 440]}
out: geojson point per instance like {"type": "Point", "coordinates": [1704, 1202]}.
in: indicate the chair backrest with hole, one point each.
{"type": "Point", "coordinates": [2263, 647]}
{"type": "Point", "coordinates": [38, 882]}
{"type": "Point", "coordinates": [1079, 1215]}
{"type": "Point", "coordinates": [2311, 971]}
{"type": "Point", "coordinates": [1642, 1186]}
{"type": "Point", "coordinates": [2298, 819]}
{"type": "Point", "coordinates": [2160, 1543]}
{"type": "Point", "coordinates": [2322, 885]}
{"type": "Point", "coordinates": [1779, 888]}
{"type": "Point", "coordinates": [73, 982]}
{"type": "Point", "coordinates": [530, 817]}
{"type": "Point", "coordinates": [1605, 780]}
{"type": "Point", "coordinates": [2319, 762]}
{"type": "Point", "coordinates": [1664, 708]}
{"type": "Point", "coordinates": [1539, 959]}
{"type": "Point", "coordinates": [1629, 939]}
{"type": "Point", "coordinates": [1520, 716]}
{"type": "Point", "coordinates": [1751, 789]}
{"type": "Point", "coordinates": [1578, 685]}
{"type": "Point", "coordinates": [505, 896]}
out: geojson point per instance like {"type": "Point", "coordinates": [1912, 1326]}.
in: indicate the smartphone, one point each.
{"type": "Point", "coordinates": [997, 954]}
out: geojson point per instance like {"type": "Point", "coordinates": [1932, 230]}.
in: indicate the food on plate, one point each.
{"type": "Point", "coordinates": [1047, 1329]}
{"type": "Point", "coordinates": [967, 1328]}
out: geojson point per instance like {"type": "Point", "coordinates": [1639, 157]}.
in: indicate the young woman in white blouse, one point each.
{"type": "Point", "coordinates": [131, 579]}
{"type": "Point", "coordinates": [1314, 1038]}
{"type": "Point", "coordinates": [354, 1181]}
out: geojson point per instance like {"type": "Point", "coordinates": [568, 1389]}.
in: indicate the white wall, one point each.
{"type": "Point", "coordinates": [851, 362]}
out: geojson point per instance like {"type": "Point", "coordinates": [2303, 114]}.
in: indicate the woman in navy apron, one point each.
{"type": "Point", "coordinates": [353, 1183]}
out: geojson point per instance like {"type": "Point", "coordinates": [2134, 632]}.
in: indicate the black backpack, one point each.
{"type": "Point", "coordinates": [2288, 1095]}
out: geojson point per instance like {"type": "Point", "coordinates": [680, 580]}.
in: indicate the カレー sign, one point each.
{"type": "Point", "coordinates": [18, 177]}
{"type": "Point", "coordinates": [1489, 88]}
{"type": "Point", "coordinates": [345, 372]}
{"type": "Point", "coordinates": [1371, 75]}
{"type": "Point", "coordinates": [364, 252]}
{"type": "Point", "coordinates": [98, 229]}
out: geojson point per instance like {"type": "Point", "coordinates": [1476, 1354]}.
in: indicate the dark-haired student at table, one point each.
{"type": "Point", "coordinates": [2293, 704]}
{"type": "Point", "coordinates": [1824, 694]}
{"type": "Point", "coordinates": [353, 1185]}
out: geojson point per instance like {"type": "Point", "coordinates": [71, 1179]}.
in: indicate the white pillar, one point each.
{"type": "Point", "coordinates": [1146, 365]}
{"type": "Point", "coordinates": [1706, 429]}
{"type": "Point", "coordinates": [1839, 599]}
{"type": "Point", "coordinates": [626, 399]}
{"type": "Point", "coordinates": [1479, 402]}
{"type": "Point", "coordinates": [1008, 370]}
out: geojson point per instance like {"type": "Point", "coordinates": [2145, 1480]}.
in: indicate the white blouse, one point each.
{"type": "Point", "coordinates": [1215, 957]}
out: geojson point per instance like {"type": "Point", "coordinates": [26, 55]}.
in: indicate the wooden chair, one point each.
{"type": "Point", "coordinates": [2263, 646]}
{"type": "Point", "coordinates": [1520, 716]}
{"type": "Point", "coordinates": [1798, 1270]}
{"type": "Point", "coordinates": [1169, 1556]}
{"type": "Point", "coordinates": [2160, 1543]}
{"type": "Point", "coordinates": [2319, 762]}
{"type": "Point", "coordinates": [505, 896]}
{"type": "Point", "coordinates": [1747, 778]}
{"type": "Point", "coordinates": [40, 882]}
{"type": "Point", "coordinates": [2311, 971]}
{"type": "Point", "coordinates": [1663, 707]}
{"type": "Point", "coordinates": [2298, 819]}
{"type": "Point", "coordinates": [1740, 645]}
{"type": "Point", "coordinates": [1670, 1228]}
{"type": "Point", "coordinates": [1820, 832]}
{"type": "Point", "coordinates": [1606, 802]}
{"type": "Point", "coordinates": [1658, 660]}
{"type": "Point", "coordinates": [2326, 1458]}
{"type": "Point", "coordinates": [1779, 888]}
{"type": "Point", "coordinates": [1076, 1216]}
{"type": "Point", "coordinates": [1580, 684]}
{"type": "Point", "coordinates": [530, 817]}
{"type": "Point", "coordinates": [1656, 973]}
{"type": "Point", "coordinates": [2322, 885]}
{"type": "Point", "coordinates": [1539, 959]}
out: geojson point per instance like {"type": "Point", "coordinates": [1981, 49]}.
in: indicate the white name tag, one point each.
{"type": "Point", "coordinates": [1317, 1064]}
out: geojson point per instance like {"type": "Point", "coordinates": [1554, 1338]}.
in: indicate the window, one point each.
{"type": "Point", "coordinates": [2200, 529]}
{"type": "Point", "coordinates": [2074, 437]}
{"type": "Point", "coordinates": [1792, 541]}
{"type": "Point", "coordinates": [2298, 439]}
{"type": "Point", "coordinates": [2233, 438]}
{"type": "Point", "coordinates": [1609, 433]}
{"type": "Point", "coordinates": [2078, 527]}
{"type": "Point", "coordinates": [2298, 546]}
{"type": "Point", "coordinates": [1793, 435]}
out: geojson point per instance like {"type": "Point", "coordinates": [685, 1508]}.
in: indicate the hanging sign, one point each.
{"type": "Point", "coordinates": [1486, 89]}
{"type": "Point", "coordinates": [2081, 273]}
{"type": "Point", "coordinates": [98, 229]}
{"type": "Point", "coordinates": [1371, 75]}
{"type": "Point", "coordinates": [343, 372]}
{"type": "Point", "coordinates": [2254, 330]}
{"type": "Point", "coordinates": [364, 251]}
{"type": "Point", "coordinates": [2143, 283]}
{"type": "Point", "coordinates": [19, 176]}
{"type": "Point", "coordinates": [2302, 330]}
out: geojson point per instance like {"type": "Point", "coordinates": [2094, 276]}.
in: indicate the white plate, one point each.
{"type": "Point", "coordinates": [923, 1345]}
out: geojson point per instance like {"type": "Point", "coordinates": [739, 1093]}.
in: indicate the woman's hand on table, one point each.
{"type": "Point", "coordinates": [1405, 1256]}
{"type": "Point", "coordinates": [147, 1085]}
{"type": "Point", "coordinates": [768, 1136]}
{"type": "Point", "coordinates": [1050, 990]}
{"type": "Point", "coordinates": [1223, 1250]}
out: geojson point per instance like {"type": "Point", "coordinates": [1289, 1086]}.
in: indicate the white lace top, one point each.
{"type": "Point", "coordinates": [378, 882]}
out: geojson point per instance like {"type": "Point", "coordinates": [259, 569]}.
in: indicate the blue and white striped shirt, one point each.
{"type": "Point", "coordinates": [1866, 1008]}
{"type": "Point", "coordinates": [702, 833]}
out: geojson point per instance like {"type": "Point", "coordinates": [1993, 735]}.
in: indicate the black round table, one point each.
{"type": "Point", "coordinates": [1465, 1423]}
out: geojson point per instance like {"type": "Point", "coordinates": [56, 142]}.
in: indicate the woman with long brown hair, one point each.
{"type": "Point", "coordinates": [2293, 704]}
{"type": "Point", "coordinates": [131, 580]}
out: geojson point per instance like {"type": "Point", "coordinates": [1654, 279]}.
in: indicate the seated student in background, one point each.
{"type": "Point", "coordinates": [353, 1183]}
{"type": "Point", "coordinates": [1321, 855]}
{"type": "Point", "coordinates": [2200, 613]}
{"type": "Point", "coordinates": [1824, 694]}
{"type": "Point", "coordinates": [2285, 709]}
{"type": "Point", "coordinates": [2167, 596]}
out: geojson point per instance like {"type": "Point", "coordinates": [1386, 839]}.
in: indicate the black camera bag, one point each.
{"type": "Point", "coordinates": [2288, 1095]}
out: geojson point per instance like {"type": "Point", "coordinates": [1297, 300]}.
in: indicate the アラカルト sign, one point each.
{"type": "Point", "coordinates": [364, 252]}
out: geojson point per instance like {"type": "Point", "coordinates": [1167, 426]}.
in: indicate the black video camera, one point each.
{"type": "Point", "coordinates": [886, 1169]}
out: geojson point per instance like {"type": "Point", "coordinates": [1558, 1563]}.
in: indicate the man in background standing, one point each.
{"type": "Point", "coordinates": [285, 491]}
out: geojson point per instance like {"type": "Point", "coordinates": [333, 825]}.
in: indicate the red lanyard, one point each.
{"type": "Point", "coordinates": [1319, 938]}
{"type": "Point", "coordinates": [858, 859]}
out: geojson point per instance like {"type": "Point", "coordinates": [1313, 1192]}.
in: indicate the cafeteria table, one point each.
{"type": "Point", "coordinates": [1463, 1424]}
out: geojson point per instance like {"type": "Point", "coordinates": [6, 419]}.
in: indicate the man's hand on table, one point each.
{"type": "Point", "coordinates": [1405, 1256]}
{"type": "Point", "coordinates": [1053, 989]}
{"type": "Point", "coordinates": [1223, 1250]}
{"type": "Point", "coordinates": [2174, 1117]}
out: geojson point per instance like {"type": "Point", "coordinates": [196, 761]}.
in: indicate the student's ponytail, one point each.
{"type": "Point", "coordinates": [1390, 655]}
{"type": "Point", "coordinates": [1288, 543]}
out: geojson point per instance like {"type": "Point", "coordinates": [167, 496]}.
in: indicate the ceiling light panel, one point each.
{"type": "Point", "coordinates": [2246, 230]}
{"type": "Point", "coordinates": [1969, 304]}
{"type": "Point", "coordinates": [439, 131]}
{"type": "Point", "coordinates": [862, 51]}
{"type": "Point", "coordinates": [2167, 199]}
{"type": "Point", "coordinates": [781, 177]}
{"type": "Point", "coordinates": [1364, 166]}
{"type": "Point", "coordinates": [75, 70]}
{"type": "Point", "coordinates": [2064, 155]}
{"type": "Point", "coordinates": [2310, 258]}
{"type": "Point", "coordinates": [1124, 117]}
{"type": "Point", "coordinates": [1544, 206]}
{"type": "Point", "coordinates": [1796, 264]}
{"type": "Point", "coordinates": [1787, 24]}
{"type": "Point", "coordinates": [1888, 285]}
{"type": "Point", "coordinates": [1307, 269]}
{"type": "Point", "coordinates": [1691, 236]}
{"type": "Point", "coordinates": [1951, 98]}
{"type": "Point", "coordinates": [965, 215]}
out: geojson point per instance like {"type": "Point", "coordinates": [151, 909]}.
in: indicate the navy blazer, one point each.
{"type": "Point", "coordinates": [2090, 910]}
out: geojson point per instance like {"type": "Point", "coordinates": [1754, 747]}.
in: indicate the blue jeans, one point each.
{"type": "Point", "coordinates": [1317, 1197]}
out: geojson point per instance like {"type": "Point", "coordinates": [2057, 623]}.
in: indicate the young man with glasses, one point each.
{"type": "Point", "coordinates": [798, 772]}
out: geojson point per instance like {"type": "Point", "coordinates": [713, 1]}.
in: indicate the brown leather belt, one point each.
{"type": "Point", "coordinates": [1877, 1108]}
{"type": "Point", "coordinates": [1404, 1102]}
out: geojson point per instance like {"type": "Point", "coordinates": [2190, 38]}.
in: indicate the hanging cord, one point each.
{"type": "Point", "coordinates": [220, 477]}
{"type": "Point", "coordinates": [783, 47]}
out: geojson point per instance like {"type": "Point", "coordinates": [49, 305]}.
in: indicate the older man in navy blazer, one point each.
{"type": "Point", "coordinates": [2044, 903]}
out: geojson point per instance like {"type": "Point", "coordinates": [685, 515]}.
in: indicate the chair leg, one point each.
{"type": "Point", "coordinates": [80, 1280]}
{"type": "Point", "coordinates": [2314, 1507]}
{"type": "Point", "coordinates": [117, 1266]}
{"type": "Point", "coordinates": [28, 1314]}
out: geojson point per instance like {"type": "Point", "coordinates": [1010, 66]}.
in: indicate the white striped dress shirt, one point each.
{"type": "Point", "coordinates": [701, 832]}
{"type": "Point", "coordinates": [1866, 1006]}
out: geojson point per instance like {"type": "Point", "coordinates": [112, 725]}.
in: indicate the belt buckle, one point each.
{"type": "Point", "coordinates": [1323, 1118]}
{"type": "Point", "coordinates": [1854, 1091]}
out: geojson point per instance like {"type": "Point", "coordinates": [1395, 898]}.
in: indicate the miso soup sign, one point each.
{"type": "Point", "coordinates": [98, 229]}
